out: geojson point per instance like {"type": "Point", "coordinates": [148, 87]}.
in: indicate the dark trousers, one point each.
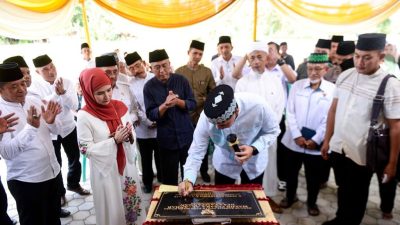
{"type": "Point", "coordinates": [222, 179]}
{"type": "Point", "coordinates": [325, 171]}
{"type": "Point", "coordinates": [281, 153]}
{"type": "Point", "coordinates": [387, 192]}
{"type": "Point", "coordinates": [4, 218]}
{"type": "Point", "coordinates": [37, 203]}
{"type": "Point", "coordinates": [147, 148]}
{"type": "Point", "coordinates": [170, 161]}
{"type": "Point", "coordinates": [353, 183]}
{"type": "Point", "coordinates": [71, 148]}
{"type": "Point", "coordinates": [204, 164]}
{"type": "Point", "coordinates": [312, 169]}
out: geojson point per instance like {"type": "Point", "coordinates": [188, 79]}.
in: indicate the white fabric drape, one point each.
{"type": "Point", "coordinates": [19, 23]}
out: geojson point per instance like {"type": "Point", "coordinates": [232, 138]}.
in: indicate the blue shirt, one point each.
{"type": "Point", "coordinates": [256, 125]}
{"type": "Point", "coordinates": [174, 128]}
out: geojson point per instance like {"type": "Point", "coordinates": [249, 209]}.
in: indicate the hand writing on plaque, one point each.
{"type": "Point", "coordinates": [185, 187]}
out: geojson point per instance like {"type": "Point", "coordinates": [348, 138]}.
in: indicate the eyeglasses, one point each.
{"type": "Point", "coordinates": [157, 68]}
{"type": "Point", "coordinates": [111, 72]}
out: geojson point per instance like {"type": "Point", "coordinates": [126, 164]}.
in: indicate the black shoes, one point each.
{"type": "Point", "coordinates": [64, 213]}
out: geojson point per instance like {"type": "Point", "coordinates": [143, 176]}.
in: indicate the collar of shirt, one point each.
{"type": "Point", "coordinates": [13, 104]}
{"type": "Point", "coordinates": [322, 87]}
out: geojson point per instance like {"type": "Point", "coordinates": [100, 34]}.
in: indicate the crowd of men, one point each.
{"type": "Point", "coordinates": [258, 117]}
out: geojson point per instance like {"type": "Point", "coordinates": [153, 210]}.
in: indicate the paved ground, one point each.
{"type": "Point", "coordinates": [82, 210]}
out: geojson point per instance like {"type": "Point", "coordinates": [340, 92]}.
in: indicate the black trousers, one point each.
{"type": "Point", "coordinates": [71, 148]}
{"type": "Point", "coordinates": [204, 164]}
{"type": "Point", "coordinates": [147, 148]}
{"type": "Point", "coordinates": [170, 161]}
{"type": "Point", "coordinates": [222, 179]}
{"type": "Point", "coordinates": [4, 218]}
{"type": "Point", "coordinates": [37, 203]}
{"type": "Point", "coordinates": [312, 169]}
{"type": "Point", "coordinates": [325, 171]}
{"type": "Point", "coordinates": [387, 192]}
{"type": "Point", "coordinates": [281, 152]}
{"type": "Point", "coordinates": [353, 183]}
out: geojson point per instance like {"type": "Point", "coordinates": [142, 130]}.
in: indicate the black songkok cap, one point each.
{"type": "Point", "coordinates": [345, 48]}
{"type": "Point", "coordinates": [42, 60]}
{"type": "Point", "coordinates": [323, 43]}
{"type": "Point", "coordinates": [197, 45]}
{"type": "Point", "coordinates": [371, 41]}
{"type": "Point", "coordinates": [337, 38]}
{"type": "Point", "coordinates": [105, 61]}
{"type": "Point", "coordinates": [220, 104]}
{"type": "Point", "coordinates": [85, 45]}
{"type": "Point", "coordinates": [224, 39]}
{"type": "Point", "coordinates": [158, 55]}
{"type": "Point", "coordinates": [131, 58]}
{"type": "Point", "coordinates": [16, 59]}
{"type": "Point", "coordinates": [10, 72]}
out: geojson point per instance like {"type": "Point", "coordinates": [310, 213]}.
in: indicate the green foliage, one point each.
{"type": "Point", "coordinates": [385, 26]}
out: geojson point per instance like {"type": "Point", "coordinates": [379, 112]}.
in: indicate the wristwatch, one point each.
{"type": "Point", "coordinates": [255, 150]}
{"type": "Point", "coordinates": [280, 62]}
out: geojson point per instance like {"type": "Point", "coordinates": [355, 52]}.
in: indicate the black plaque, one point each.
{"type": "Point", "coordinates": [208, 204]}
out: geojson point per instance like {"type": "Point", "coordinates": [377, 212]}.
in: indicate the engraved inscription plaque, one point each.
{"type": "Point", "coordinates": [208, 204]}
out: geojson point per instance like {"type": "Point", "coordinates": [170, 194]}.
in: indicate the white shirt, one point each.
{"type": "Point", "coordinates": [276, 72]}
{"type": "Point", "coordinates": [266, 86]}
{"type": "Point", "coordinates": [307, 108]}
{"type": "Point", "coordinates": [136, 86]}
{"type": "Point", "coordinates": [355, 93]}
{"type": "Point", "coordinates": [68, 101]}
{"type": "Point", "coordinates": [123, 93]}
{"type": "Point", "coordinates": [256, 125]}
{"type": "Point", "coordinates": [28, 151]}
{"type": "Point", "coordinates": [228, 67]}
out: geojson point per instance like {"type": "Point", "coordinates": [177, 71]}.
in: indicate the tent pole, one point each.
{"type": "Point", "coordinates": [85, 22]}
{"type": "Point", "coordinates": [255, 20]}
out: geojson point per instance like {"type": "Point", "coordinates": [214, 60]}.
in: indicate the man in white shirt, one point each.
{"type": "Point", "coordinates": [269, 87]}
{"type": "Point", "coordinates": [120, 85]}
{"type": "Point", "coordinates": [146, 131]}
{"type": "Point", "coordinates": [348, 125]}
{"type": "Point", "coordinates": [50, 87]}
{"type": "Point", "coordinates": [87, 61]}
{"type": "Point", "coordinates": [6, 125]}
{"type": "Point", "coordinates": [32, 166]}
{"type": "Point", "coordinates": [243, 117]}
{"type": "Point", "coordinates": [222, 67]}
{"type": "Point", "coordinates": [306, 112]}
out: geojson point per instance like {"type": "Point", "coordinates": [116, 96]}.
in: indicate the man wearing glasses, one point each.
{"type": "Point", "coordinates": [169, 99]}
{"type": "Point", "coordinates": [121, 90]}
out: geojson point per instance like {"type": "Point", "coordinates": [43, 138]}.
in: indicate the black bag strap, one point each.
{"type": "Point", "coordinates": [377, 104]}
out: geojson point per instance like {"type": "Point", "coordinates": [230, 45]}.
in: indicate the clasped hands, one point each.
{"type": "Point", "coordinates": [171, 100]}
{"type": "Point", "coordinates": [307, 144]}
{"type": "Point", "coordinates": [123, 134]}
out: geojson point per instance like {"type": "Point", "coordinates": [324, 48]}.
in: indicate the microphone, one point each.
{"type": "Point", "coordinates": [233, 142]}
